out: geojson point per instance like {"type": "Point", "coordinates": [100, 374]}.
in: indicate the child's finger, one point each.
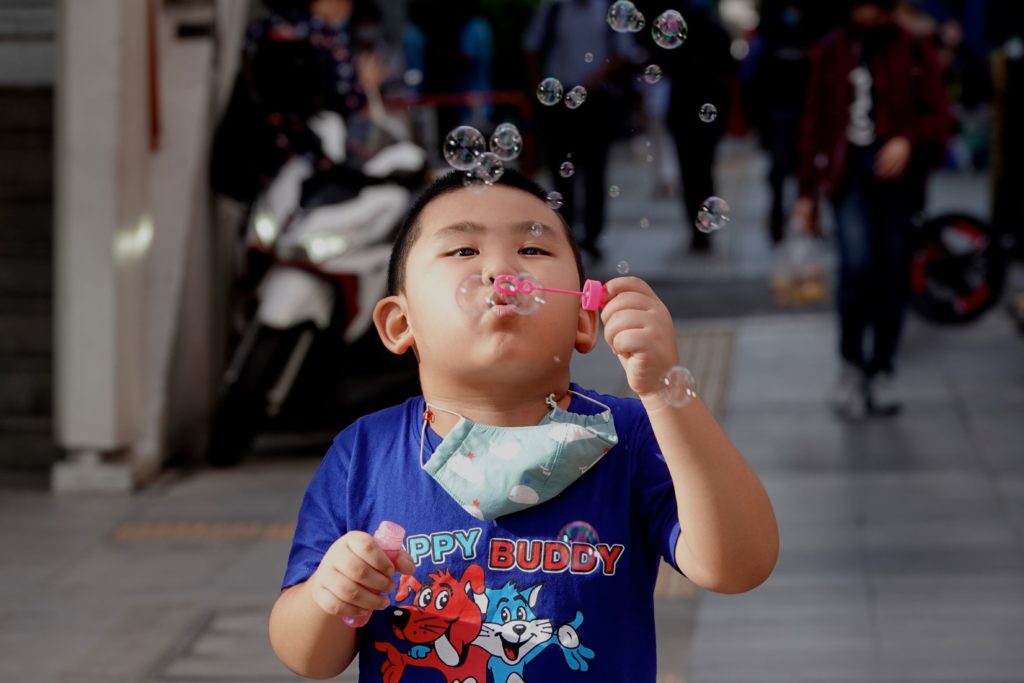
{"type": "Point", "coordinates": [627, 284]}
{"type": "Point", "coordinates": [363, 546]}
{"type": "Point", "coordinates": [626, 301]}
{"type": "Point", "coordinates": [360, 571]}
{"type": "Point", "coordinates": [330, 603]}
{"type": "Point", "coordinates": [626, 320]}
{"type": "Point", "coordinates": [404, 564]}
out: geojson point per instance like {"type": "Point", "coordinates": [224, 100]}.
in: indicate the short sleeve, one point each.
{"type": "Point", "coordinates": [656, 497]}
{"type": "Point", "coordinates": [321, 518]}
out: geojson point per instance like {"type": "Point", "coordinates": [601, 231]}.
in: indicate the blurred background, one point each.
{"type": "Point", "coordinates": [197, 199]}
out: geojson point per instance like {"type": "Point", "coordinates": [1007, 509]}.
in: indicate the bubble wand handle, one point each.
{"type": "Point", "coordinates": [592, 296]}
{"type": "Point", "coordinates": [389, 536]}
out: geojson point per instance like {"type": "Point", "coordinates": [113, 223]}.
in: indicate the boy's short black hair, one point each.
{"type": "Point", "coordinates": [450, 182]}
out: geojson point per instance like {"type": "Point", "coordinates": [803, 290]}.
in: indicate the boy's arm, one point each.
{"type": "Point", "coordinates": [729, 540]}
{"type": "Point", "coordinates": [308, 640]}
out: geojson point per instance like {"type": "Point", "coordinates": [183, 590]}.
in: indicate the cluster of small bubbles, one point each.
{"type": "Point", "coordinates": [536, 229]}
{"type": "Point", "coordinates": [463, 147]}
{"type": "Point", "coordinates": [622, 267]}
{"type": "Point", "coordinates": [506, 142]}
{"type": "Point", "coordinates": [566, 169]}
{"type": "Point", "coordinates": [575, 97]}
{"type": "Point", "coordinates": [713, 214]}
{"type": "Point", "coordinates": [550, 91]}
{"type": "Point", "coordinates": [652, 73]}
{"type": "Point", "coordinates": [708, 112]}
{"type": "Point", "coordinates": [670, 29]}
{"type": "Point", "coordinates": [680, 387]}
{"type": "Point", "coordinates": [579, 532]}
{"type": "Point", "coordinates": [555, 200]}
{"type": "Point", "coordinates": [589, 57]}
{"type": "Point", "coordinates": [644, 223]}
{"type": "Point", "coordinates": [614, 191]}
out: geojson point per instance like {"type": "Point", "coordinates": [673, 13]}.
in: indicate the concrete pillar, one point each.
{"type": "Point", "coordinates": [103, 234]}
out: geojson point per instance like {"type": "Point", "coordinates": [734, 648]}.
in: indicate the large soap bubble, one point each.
{"type": "Point", "coordinates": [506, 142]}
{"type": "Point", "coordinates": [463, 147]}
{"type": "Point", "coordinates": [670, 29]}
{"type": "Point", "coordinates": [550, 91]}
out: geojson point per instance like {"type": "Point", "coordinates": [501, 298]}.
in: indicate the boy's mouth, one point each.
{"type": "Point", "coordinates": [504, 310]}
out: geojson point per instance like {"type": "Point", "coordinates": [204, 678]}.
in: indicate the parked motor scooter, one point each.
{"type": "Point", "coordinates": [325, 239]}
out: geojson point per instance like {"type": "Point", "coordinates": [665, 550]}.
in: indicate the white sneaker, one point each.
{"type": "Point", "coordinates": [848, 396]}
{"type": "Point", "coordinates": [883, 399]}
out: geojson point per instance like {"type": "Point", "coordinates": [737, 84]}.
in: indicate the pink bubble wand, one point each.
{"type": "Point", "coordinates": [591, 298]}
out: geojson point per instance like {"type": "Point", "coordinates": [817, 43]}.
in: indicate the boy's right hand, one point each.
{"type": "Point", "coordinates": [355, 576]}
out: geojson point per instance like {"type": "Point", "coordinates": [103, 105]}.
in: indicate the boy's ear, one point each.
{"type": "Point", "coordinates": [587, 330]}
{"type": "Point", "coordinates": [392, 323]}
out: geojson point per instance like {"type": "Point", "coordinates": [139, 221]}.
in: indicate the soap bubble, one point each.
{"type": "Point", "coordinates": [566, 169]}
{"type": "Point", "coordinates": [652, 74]}
{"type": "Point", "coordinates": [537, 229]}
{"type": "Point", "coordinates": [490, 169]}
{"type": "Point", "coordinates": [622, 267]}
{"type": "Point", "coordinates": [472, 179]}
{"type": "Point", "coordinates": [680, 387]}
{"type": "Point", "coordinates": [621, 16]}
{"type": "Point", "coordinates": [473, 294]}
{"type": "Point", "coordinates": [555, 200]}
{"type": "Point", "coordinates": [670, 29]}
{"type": "Point", "coordinates": [644, 223]}
{"type": "Point", "coordinates": [713, 214]}
{"type": "Point", "coordinates": [550, 91]}
{"type": "Point", "coordinates": [708, 112]}
{"type": "Point", "coordinates": [557, 360]}
{"type": "Point", "coordinates": [506, 142]}
{"type": "Point", "coordinates": [575, 97]}
{"type": "Point", "coordinates": [614, 191]}
{"type": "Point", "coordinates": [463, 147]}
{"type": "Point", "coordinates": [637, 22]}
{"type": "Point", "coordinates": [579, 532]}
{"type": "Point", "coordinates": [589, 57]}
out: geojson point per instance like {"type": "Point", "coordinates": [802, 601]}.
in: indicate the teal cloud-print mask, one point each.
{"type": "Point", "coordinates": [493, 471]}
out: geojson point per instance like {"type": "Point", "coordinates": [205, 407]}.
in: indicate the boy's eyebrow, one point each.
{"type": "Point", "coordinates": [463, 227]}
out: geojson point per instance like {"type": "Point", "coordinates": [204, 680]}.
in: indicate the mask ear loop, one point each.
{"type": "Point", "coordinates": [428, 417]}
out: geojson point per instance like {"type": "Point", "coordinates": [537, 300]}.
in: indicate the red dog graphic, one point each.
{"type": "Point", "coordinates": [446, 615]}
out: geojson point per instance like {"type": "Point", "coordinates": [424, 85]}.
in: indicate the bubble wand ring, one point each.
{"type": "Point", "coordinates": [591, 298]}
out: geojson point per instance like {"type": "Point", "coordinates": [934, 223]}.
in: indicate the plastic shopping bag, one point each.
{"type": "Point", "coordinates": [799, 276]}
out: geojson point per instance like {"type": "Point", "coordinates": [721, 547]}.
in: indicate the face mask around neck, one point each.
{"type": "Point", "coordinates": [494, 471]}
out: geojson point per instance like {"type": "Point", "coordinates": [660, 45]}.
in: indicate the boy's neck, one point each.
{"type": "Point", "coordinates": [493, 405]}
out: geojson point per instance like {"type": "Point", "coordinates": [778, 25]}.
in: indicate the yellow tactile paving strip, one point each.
{"type": "Point", "coordinates": [151, 531]}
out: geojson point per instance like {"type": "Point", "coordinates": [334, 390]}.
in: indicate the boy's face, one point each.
{"type": "Point", "coordinates": [487, 232]}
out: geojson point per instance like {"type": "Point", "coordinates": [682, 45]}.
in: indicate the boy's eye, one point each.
{"type": "Point", "coordinates": [464, 251]}
{"type": "Point", "coordinates": [534, 251]}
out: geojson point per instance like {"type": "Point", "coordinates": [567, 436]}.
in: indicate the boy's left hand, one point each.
{"type": "Point", "coordinates": [639, 329]}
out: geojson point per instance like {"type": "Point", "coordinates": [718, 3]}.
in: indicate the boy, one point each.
{"type": "Point", "coordinates": [494, 583]}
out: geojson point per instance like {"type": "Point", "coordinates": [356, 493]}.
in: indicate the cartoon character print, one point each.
{"type": "Point", "coordinates": [442, 623]}
{"type": "Point", "coordinates": [513, 635]}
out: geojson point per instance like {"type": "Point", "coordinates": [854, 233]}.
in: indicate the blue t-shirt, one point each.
{"type": "Point", "coordinates": [492, 600]}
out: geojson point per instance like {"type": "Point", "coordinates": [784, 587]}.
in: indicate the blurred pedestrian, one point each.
{"type": "Point", "coordinates": [875, 120]}
{"type": "Point", "coordinates": [702, 71]}
{"type": "Point", "coordinates": [299, 60]}
{"type": "Point", "coordinates": [457, 46]}
{"type": "Point", "coordinates": [774, 76]}
{"type": "Point", "coordinates": [571, 40]}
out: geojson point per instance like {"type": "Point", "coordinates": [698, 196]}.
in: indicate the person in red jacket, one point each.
{"type": "Point", "coordinates": [875, 121]}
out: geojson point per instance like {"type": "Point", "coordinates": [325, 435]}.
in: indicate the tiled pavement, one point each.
{"type": "Point", "coordinates": [902, 540]}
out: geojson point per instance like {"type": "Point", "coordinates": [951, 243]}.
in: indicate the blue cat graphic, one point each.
{"type": "Point", "coordinates": [514, 635]}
